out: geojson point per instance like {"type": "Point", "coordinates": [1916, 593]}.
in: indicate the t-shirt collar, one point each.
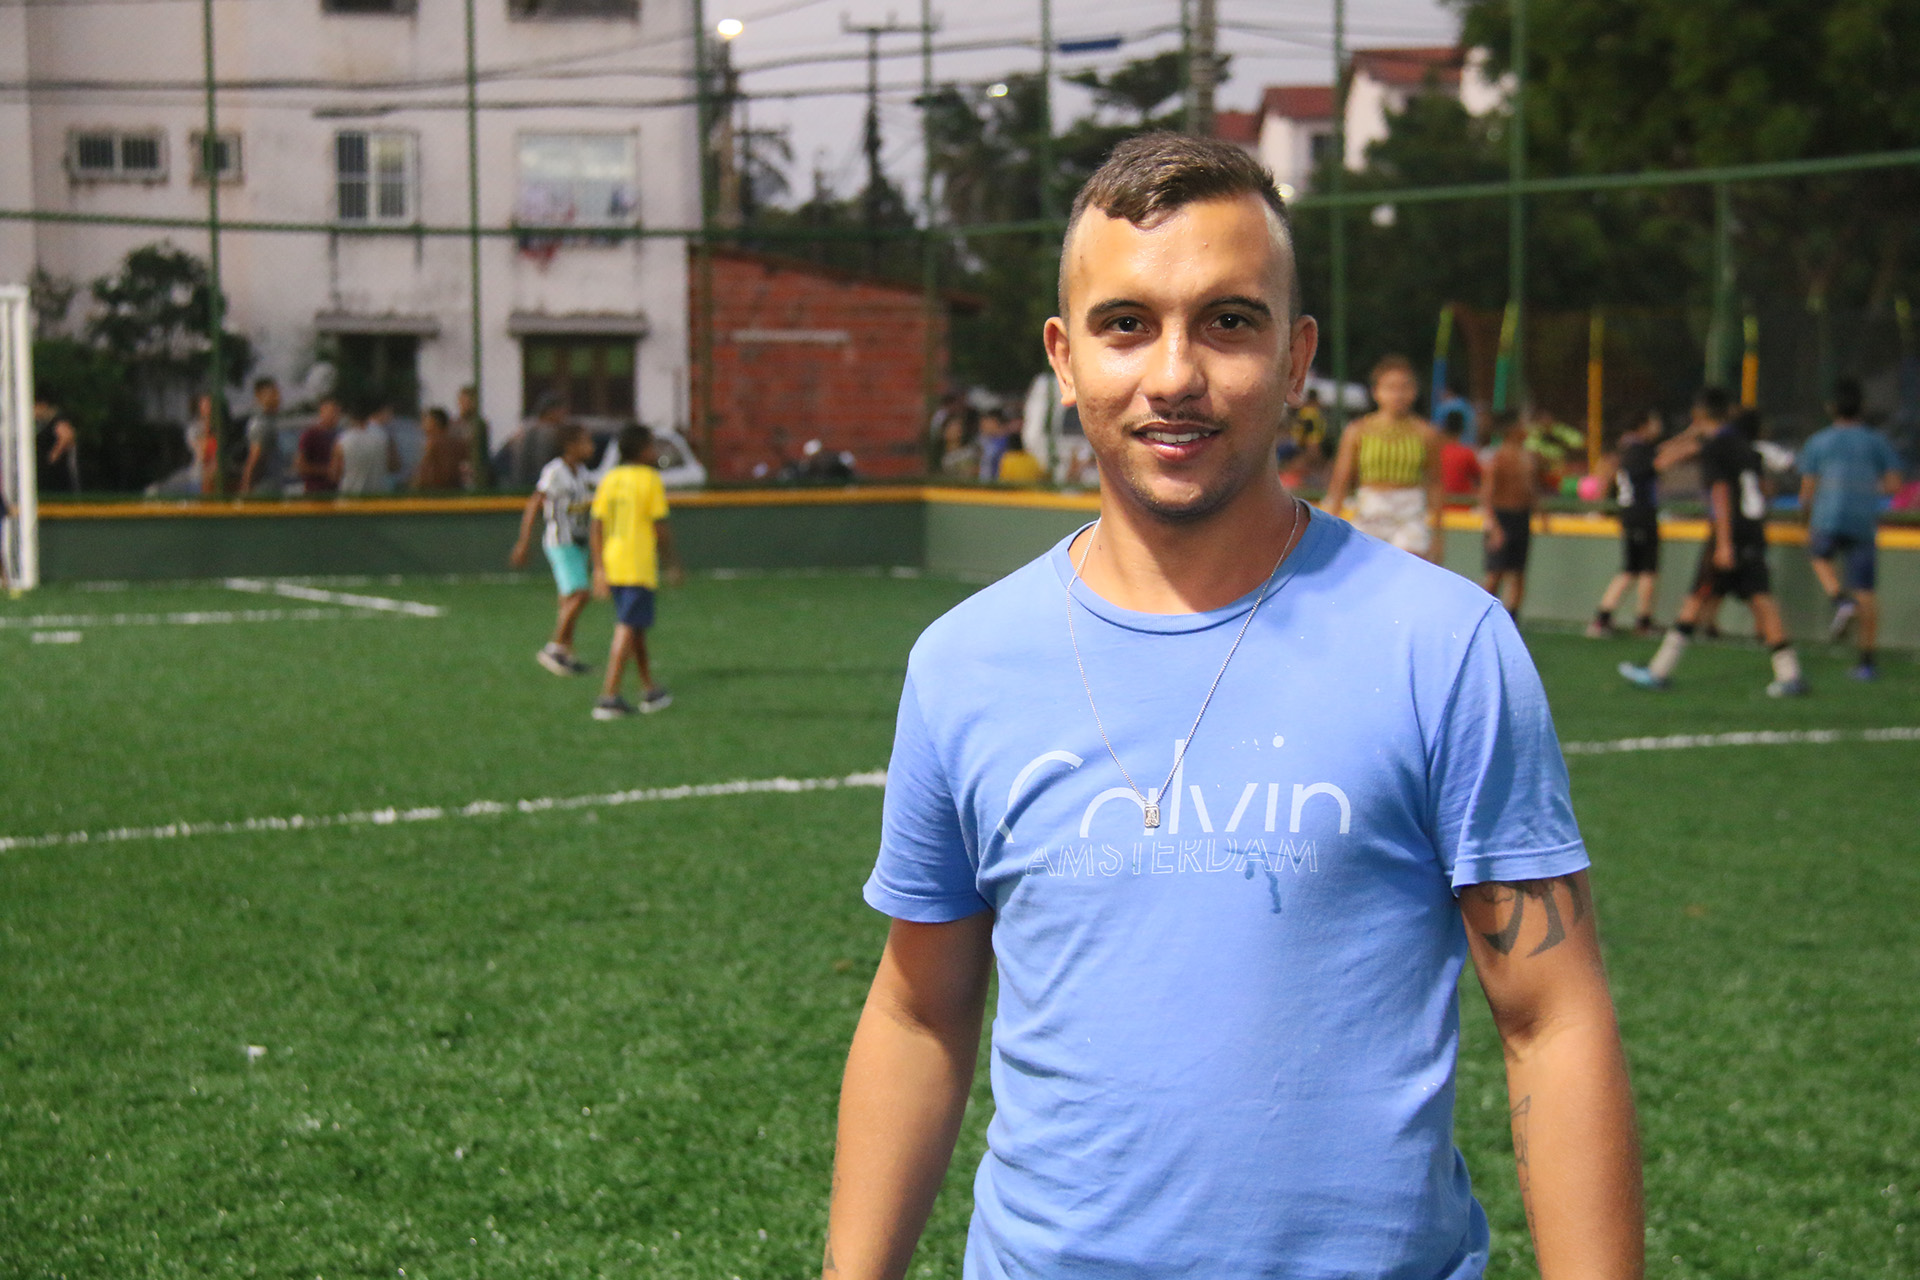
{"type": "Point", "coordinates": [1179, 623]}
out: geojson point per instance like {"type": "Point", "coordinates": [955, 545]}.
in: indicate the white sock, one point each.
{"type": "Point", "coordinates": [1786, 664]}
{"type": "Point", "coordinates": [1667, 656]}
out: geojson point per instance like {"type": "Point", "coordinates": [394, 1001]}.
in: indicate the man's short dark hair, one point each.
{"type": "Point", "coordinates": [261, 384]}
{"type": "Point", "coordinates": [1714, 402]}
{"type": "Point", "coordinates": [1455, 423]}
{"type": "Point", "coordinates": [436, 415]}
{"type": "Point", "coordinates": [1392, 364]}
{"type": "Point", "coordinates": [635, 440]}
{"type": "Point", "coordinates": [567, 433]}
{"type": "Point", "coordinates": [1848, 400]}
{"type": "Point", "coordinates": [1749, 424]}
{"type": "Point", "coordinates": [1154, 175]}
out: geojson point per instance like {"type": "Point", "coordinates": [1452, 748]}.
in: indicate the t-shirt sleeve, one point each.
{"type": "Point", "coordinates": [1500, 803]}
{"type": "Point", "coordinates": [1813, 454]}
{"type": "Point", "coordinates": [1888, 457]}
{"type": "Point", "coordinates": [923, 873]}
{"type": "Point", "coordinates": [657, 499]}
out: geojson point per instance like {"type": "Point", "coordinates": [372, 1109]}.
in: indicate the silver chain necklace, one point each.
{"type": "Point", "coordinates": [1150, 806]}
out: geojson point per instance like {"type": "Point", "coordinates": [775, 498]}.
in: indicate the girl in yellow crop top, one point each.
{"type": "Point", "coordinates": [1390, 462]}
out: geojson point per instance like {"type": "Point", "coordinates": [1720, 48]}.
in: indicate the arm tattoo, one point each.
{"type": "Point", "coordinates": [1522, 1170]}
{"type": "Point", "coordinates": [1509, 905]}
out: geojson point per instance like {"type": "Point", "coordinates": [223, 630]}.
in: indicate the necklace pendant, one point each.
{"type": "Point", "coordinates": [1153, 817]}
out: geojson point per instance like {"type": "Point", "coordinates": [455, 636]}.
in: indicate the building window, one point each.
{"type": "Point", "coordinates": [577, 180]}
{"type": "Point", "coordinates": [402, 8]}
{"type": "Point", "coordinates": [226, 153]}
{"type": "Point", "coordinates": [115, 155]}
{"type": "Point", "coordinates": [376, 367]}
{"type": "Point", "coordinates": [628, 10]}
{"type": "Point", "coordinates": [593, 373]}
{"type": "Point", "coordinates": [1320, 148]}
{"type": "Point", "coordinates": [375, 176]}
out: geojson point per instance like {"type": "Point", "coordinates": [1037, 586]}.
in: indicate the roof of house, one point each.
{"type": "Point", "coordinates": [1298, 101]}
{"type": "Point", "coordinates": [1242, 127]}
{"type": "Point", "coordinates": [1409, 68]}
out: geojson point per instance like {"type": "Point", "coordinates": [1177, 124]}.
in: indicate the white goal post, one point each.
{"type": "Point", "coordinates": [20, 540]}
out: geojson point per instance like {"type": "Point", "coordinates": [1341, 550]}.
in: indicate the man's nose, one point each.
{"type": "Point", "coordinates": [1173, 375]}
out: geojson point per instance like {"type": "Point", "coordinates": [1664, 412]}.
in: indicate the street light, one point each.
{"type": "Point", "coordinates": [728, 28]}
{"type": "Point", "coordinates": [997, 90]}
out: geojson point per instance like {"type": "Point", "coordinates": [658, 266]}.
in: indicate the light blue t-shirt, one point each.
{"type": "Point", "coordinates": [1849, 460]}
{"type": "Point", "coordinates": [1225, 1048]}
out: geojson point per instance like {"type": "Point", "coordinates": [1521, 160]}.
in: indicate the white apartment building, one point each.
{"type": "Point", "coordinates": [1294, 130]}
{"type": "Point", "coordinates": [349, 115]}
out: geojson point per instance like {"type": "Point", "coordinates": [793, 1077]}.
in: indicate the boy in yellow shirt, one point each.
{"type": "Point", "coordinates": [628, 542]}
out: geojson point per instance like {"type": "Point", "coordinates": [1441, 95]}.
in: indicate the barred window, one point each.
{"type": "Point", "coordinates": [226, 153]}
{"type": "Point", "coordinates": [375, 176]}
{"type": "Point", "coordinates": [117, 155]}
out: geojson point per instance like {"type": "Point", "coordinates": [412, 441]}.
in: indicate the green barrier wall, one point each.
{"type": "Point", "coordinates": [968, 536]}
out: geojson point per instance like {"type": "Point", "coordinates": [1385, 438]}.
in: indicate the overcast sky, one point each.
{"type": "Point", "coordinates": [1272, 42]}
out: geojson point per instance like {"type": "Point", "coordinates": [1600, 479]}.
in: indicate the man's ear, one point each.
{"type": "Point", "coordinates": [1301, 344]}
{"type": "Point", "coordinates": [1055, 338]}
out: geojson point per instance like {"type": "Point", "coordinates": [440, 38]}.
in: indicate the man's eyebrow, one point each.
{"type": "Point", "coordinates": [1111, 305]}
{"type": "Point", "coordinates": [1242, 302]}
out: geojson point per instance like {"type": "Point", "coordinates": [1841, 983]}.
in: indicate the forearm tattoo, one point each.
{"type": "Point", "coordinates": [1522, 1169]}
{"type": "Point", "coordinates": [1504, 906]}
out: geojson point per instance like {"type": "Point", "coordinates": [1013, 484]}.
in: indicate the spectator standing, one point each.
{"type": "Point", "coordinates": [1310, 428]}
{"type": "Point", "coordinates": [1450, 401]}
{"type": "Point", "coordinates": [203, 441]}
{"type": "Point", "coordinates": [1459, 464]}
{"type": "Point", "coordinates": [1390, 462]}
{"type": "Point", "coordinates": [1017, 466]}
{"type": "Point", "coordinates": [522, 459]}
{"type": "Point", "coordinates": [313, 451]}
{"type": "Point", "coordinates": [58, 445]}
{"type": "Point", "coordinates": [993, 443]}
{"type": "Point", "coordinates": [1845, 470]}
{"type": "Point", "coordinates": [443, 463]}
{"type": "Point", "coordinates": [960, 455]}
{"type": "Point", "coordinates": [265, 467]}
{"type": "Point", "coordinates": [364, 457]}
{"type": "Point", "coordinates": [468, 426]}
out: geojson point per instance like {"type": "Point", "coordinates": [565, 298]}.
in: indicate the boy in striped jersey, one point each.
{"type": "Point", "coordinates": [564, 495]}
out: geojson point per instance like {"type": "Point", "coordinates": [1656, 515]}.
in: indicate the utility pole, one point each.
{"type": "Point", "coordinates": [479, 444]}
{"type": "Point", "coordinates": [1517, 213]}
{"type": "Point", "coordinates": [1045, 152]}
{"type": "Point", "coordinates": [1203, 69]}
{"type": "Point", "coordinates": [701, 406]}
{"type": "Point", "coordinates": [1188, 116]}
{"type": "Point", "coordinates": [930, 309]}
{"type": "Point", "coordinates": [870, 198]}
{"type": "Point", "coordinates": [725, 141]}
{"type": "Point", "coordinates": [216, 320]}
{"type": "Point", "coordinates": [1337, 241]}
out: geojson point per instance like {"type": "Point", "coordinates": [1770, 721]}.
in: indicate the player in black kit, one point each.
{"type": "Point", "coordinates": [1634, 475]}
{"type": "Point", "coordinates": [1734, 562]}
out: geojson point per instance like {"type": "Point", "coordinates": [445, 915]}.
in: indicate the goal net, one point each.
{"type": "Point", "coordinates": [20, 534]}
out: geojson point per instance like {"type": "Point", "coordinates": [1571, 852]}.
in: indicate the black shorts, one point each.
{"type": "Point", "coordinates": [1748, 577]}
{"type": "Point", "coordinates": [1639, 546]}
{"type": "Point", "coordinates": [1516, 528]}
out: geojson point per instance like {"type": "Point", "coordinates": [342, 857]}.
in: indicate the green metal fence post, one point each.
{"type": "Point", "coordinates": [481, 478]}
{"type": "Point", "coordinates": [1517, 210]}
{"type": "Point", "coordinates": [1337, 240]}
{"type": "Point", "coordinates": [216, 308]}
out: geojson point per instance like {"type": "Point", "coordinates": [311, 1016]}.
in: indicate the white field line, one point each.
{"type": "Point", "coordinates": [475, 809]}
{"type": "Point", "coordinates": [293, 591]}
{"type": "Point", "coordinates": [876, 778]}
{"type": "Point", "coordinates": [1755, 738]}
{"type": "Point", "coordinates": [193, 618]}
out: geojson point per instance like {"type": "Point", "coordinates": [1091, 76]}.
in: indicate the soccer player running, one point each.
{"type": "Point", "coordinates": [563, 494]}
{"type": "Point", "coordinates": [630, 540]}
{"type": "Point", "coordinates": [1734, 562]}
{"type": "Point", "coordinates": [1845, 469]}
{"type": "Point", "coordinates": [1393, 455]}
{"type": "Point", "coordinates": [1225, 1038]}
{"type": "Point", "coordinates": [1634, 474]}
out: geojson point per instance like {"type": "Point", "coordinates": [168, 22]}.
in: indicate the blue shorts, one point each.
{"type": "Point", "coordinates": [570, 572]}
{"type": "Point", "coordinates": [1856, 555]}
{"type": "Point", "coordinates": [633, 606]}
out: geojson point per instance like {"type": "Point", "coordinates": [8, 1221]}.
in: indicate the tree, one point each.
{"type": "Point", "coordinates": [1621, 85]}
{"type": "Point", "coordinates": [152, 317]}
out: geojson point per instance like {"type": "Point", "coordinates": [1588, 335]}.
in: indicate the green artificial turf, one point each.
{"type": "Point", "coordinates": [607, 1040]}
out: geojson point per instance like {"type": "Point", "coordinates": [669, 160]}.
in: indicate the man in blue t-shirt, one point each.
{"type": "Point", "coordinates": [1845, 471]}
{"type": "Point", "coordinates": [1227, 792]}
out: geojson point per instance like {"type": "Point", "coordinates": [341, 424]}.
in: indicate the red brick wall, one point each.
{"type": "Point", "coordinates": [806, 353]}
